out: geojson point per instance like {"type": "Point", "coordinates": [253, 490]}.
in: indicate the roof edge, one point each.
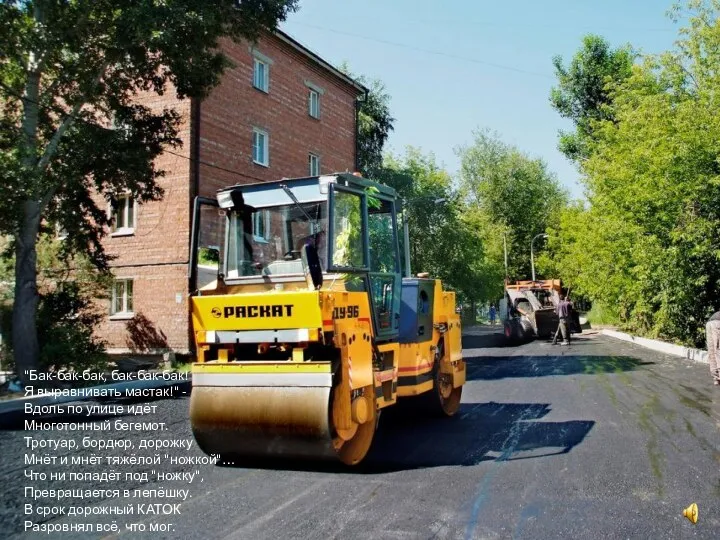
{"type": "Point", "coordinates": [286, 38]}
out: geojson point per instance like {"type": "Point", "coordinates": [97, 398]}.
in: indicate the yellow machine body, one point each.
{"type": "Point", "coordinates": [295, 371]}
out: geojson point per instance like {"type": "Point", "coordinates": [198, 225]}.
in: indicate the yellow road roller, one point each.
{"type": "Point", "coordinates": [308, 322]}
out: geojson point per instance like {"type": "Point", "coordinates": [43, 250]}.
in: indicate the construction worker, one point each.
{"type": "Point", "coordinates": [712, 334]}
{"type": "Point", "coordinates": [563, 310]}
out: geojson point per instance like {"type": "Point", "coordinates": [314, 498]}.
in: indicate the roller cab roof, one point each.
{"type": "Point", "coordinates": [306, 189]}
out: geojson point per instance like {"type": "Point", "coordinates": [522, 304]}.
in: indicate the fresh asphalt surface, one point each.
{"type": "Point", "coordinates": [601, 439]}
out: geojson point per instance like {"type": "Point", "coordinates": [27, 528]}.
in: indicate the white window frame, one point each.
{"type": "Point", "coordinates": [117, 126]}
{"type": "Point", "coordinates": [261, 217]}
{"type": "Point", "coordinates": [127, 311]}
{"type": "Point", "coordinates": [264, 84]}
{"type": "Point", "coordinates": [124, 202]}
{"type": "Point", "coordinates": [257, 132]}
{"type": "Point", "coordinates": [314, 159]}
{"type": "Point", "coordinates": [314, 99]}
{"type": "Point", "coordinates": [317, 90]}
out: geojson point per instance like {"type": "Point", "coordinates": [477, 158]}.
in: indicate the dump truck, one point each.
{"type": "Point", "coordinates": [527, 310]}
{"type": "Point", "coordinates": [308, 321]}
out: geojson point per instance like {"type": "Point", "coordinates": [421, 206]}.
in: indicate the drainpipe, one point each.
{"type": "Point", "coordinates": [194, 150]}
{"type": "Point", "coordinates": [194, 192]}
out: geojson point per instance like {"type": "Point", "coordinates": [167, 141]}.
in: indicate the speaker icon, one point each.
{"type": "Point", "coordinates": [691, 512]}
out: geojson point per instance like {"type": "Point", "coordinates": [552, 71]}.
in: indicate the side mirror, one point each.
{"type": "Point", "coordinates": [311, 266]}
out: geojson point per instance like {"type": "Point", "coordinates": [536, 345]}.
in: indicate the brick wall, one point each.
{"type": "Point", "coordinates": [235, 107]}
{"type": "Point", "coordinates": [155, 255]}
{"type": "Point", "coordinates": [160, 322]}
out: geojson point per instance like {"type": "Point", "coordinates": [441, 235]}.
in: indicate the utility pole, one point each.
{"type": "Point", "coordinates": [506, 256]}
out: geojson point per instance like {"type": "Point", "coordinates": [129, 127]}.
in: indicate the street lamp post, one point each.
{"type": "Point", "coordinates": [532, 254]}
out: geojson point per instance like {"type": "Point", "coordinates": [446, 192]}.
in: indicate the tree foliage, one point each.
{"type": "Point", "coordinates": [584, 90]}
{"type": "Point", "coordinates": [68, 311]}
{"type": "Point", "coordinates": [442, 241]}
{"type": "Point", "coordinates": [648, 244]}
{"type": "Point", "coordinates": [374, 124]}
{"type": "Point", "coordinates": [508, 194]}
{"type": "Point", "coordinates": [71, 124]}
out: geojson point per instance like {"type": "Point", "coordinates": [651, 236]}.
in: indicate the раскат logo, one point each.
{"type": "Point", "coordinates": [252, 312]}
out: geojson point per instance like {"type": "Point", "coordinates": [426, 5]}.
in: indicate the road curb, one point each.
{"type": "Point", "coordinates": [694, 355]}
{"type": "Point", "coordinates": [16, 405]}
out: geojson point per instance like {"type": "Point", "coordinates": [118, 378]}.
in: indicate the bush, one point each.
{"type": "Point", "coordinates": [601, 315]}
{"type": "Point", "coordinates": [208, 256]}
{"type": "Point", "coordinates": [66, 320]}
{"type": "Point", "coordinates": [67, 314]}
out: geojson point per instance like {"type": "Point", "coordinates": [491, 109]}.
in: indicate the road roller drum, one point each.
{"type": "Point", "coordinates": [238, 416]}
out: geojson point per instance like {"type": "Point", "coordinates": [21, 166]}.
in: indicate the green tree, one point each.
{"type": "Point", "coordinates": [68, 311]}
{"type": "Point", "coordinates": [71, 72]}
{"type": "Point", "coordinates": [374, 124]}
{"type": "Point", "coordinates": [442, 241]}
{"type": "Point", "coordinates": [648, 244]}
{"type": "Point", "coordinates": [592, 253]}
{"type": "Point", "coordinates": [584, 90]}
{"type": "Point", "coordinates": [509, 194]}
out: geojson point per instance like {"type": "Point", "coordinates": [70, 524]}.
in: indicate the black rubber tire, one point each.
{"type": "Point", "coordinates": [526, 331]}
{"type": "Point", "coordinates": [509, 331]}
{"type": "Point", "coordinates": [513, 331]}
{"type": "Point", "coordinates": [433, 403]}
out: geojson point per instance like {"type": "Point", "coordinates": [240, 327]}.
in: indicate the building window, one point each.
{"type": "Point", "coordinates": [121, 302]}
{"type": "Point", "coordinates": [260, 147]}
{"type": "Point", "coordinates": [314, 104]}
{"type": "Point", "coordinates": [261, 226]}
{"type": "Point", "coordinates": [121, 127]}
{"type": "Point", "coordinates": [314, 162]}
{"type": "Point", "coordinates": [261, 75]}
{"type": "Point", "coordinates": [60, 232]}
{"type": "Point", "coordinates": [123, 214]}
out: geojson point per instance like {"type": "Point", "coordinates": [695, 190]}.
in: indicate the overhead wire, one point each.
{"type": "Point", "coordinates": [428, 51]}
{"type": "Point", "coordinates": [461, 57]}
{"type": "Point", "coordinates": [513, 24]}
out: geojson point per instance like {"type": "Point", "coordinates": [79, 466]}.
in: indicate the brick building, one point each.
{"type": "Point", "coordinates": [280, 111]}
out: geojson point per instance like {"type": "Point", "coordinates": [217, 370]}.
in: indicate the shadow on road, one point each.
{"type": "Point", "coordinates": [502, 367]}
{"type": "Point", "coordinates": [479, 432]}
{"type": "Point", "coordinates": [488, 339]}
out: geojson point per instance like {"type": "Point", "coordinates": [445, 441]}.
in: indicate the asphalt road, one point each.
{"type": "Point", "coordinates": [601, 439]}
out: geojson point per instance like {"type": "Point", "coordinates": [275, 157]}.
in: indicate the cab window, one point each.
{"type": "Point", "coordinates": [347, 231]}
{"type": "Point", "coordinates": [382, 237]}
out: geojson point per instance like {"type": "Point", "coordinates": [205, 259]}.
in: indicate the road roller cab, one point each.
{"type": "Point", "coordinates": [304, 325]}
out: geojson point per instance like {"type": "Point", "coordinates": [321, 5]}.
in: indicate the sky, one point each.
{"type": "Point", "coordinates": [454, 66]}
